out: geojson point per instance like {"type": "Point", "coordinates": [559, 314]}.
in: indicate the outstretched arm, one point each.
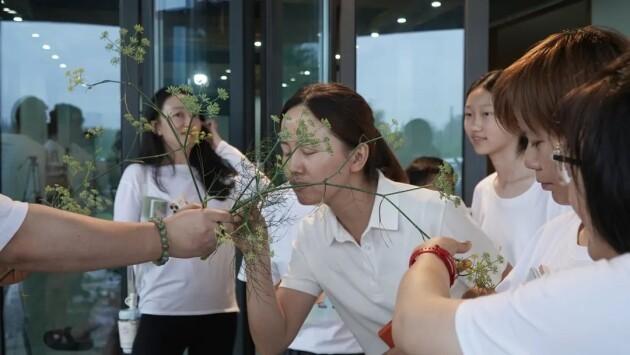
{"type": "Point", "coordinates": [54, 240]}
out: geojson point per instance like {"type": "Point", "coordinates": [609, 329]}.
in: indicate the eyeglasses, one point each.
{"type": "Point", "coordinates": [562, 162]}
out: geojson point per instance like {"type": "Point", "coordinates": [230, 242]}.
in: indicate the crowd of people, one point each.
{"type": "Point", "coordinates": [351, 257]}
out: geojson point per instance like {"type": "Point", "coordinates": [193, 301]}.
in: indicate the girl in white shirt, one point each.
{"type": "Point", "coordinates": [508, 205]}
{"type": "Point", "coordinates": [579, 311]}
{"type": "Point", "coordinates": [185, 303]}
{"type": "Point", "coordinates": [355, 246]}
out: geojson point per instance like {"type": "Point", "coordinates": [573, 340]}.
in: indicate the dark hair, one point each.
{"type": "Point", "coordinates": [423, 170]}
{"type": "Point", "coordinates": [530, 88]}
{"type": "Point", "coordinates": [487, 82]}
{"type": "Point", "coordinates": [352, 121]}
{"type": "Point", "coordinates": [216, 174]}
{"type": "Point", "coordinates": [596, 117]}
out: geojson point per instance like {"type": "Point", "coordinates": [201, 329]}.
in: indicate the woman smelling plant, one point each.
{"type": "Point", "coordinates": [355, 245]}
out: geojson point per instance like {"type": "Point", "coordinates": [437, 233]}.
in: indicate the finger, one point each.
{"type": "Point", "coordinates": [218, 215]}
{"type": "Point", "coordinates": [462, 247]}
{"type": "Point", "coordinates": [190, 206]}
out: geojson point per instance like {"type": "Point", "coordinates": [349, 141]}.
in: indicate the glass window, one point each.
{"type": "Point", "coordinates": [193, 48]}
{"type": "Point", "coordinates": [410, 62]}
{"type": "Point", "coordinates": [40, 123]}
{"type": "Point", "coordinates": [303, 45]}
{"type": "Point", "coordinates": [611, 13]}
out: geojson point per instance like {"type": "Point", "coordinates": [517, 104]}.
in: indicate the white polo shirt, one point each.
{"type": "Point", "coordinates": [578, 311]}
{"type": "Point", "coordinates": [12, 215]}
{"type": "Point", "coordinates": [362, 280]}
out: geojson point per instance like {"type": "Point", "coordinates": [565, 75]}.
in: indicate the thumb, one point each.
{"type": "Point", "coordinates": [463, 247]}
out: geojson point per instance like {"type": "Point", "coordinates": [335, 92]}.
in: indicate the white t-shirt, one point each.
{"type": "Point", "coordinates": [323, 332]}
{"type": "Point", "coordinates": [584, 310]}
{"type": "Point", "coordinates": [512, 222]}
{"type": "Point", "coordinates": [12, 215]}
{"type": "Point", "coordinates": [362, 280]}
{"type": "Point", "coordinates": [181, 286]}
{"type": "Point", "coordinates": [554, 248]}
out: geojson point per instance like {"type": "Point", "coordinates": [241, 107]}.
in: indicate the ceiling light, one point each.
{"type": "Point", "coordinates": [223, 77]}
{"type": "Point", "coordinates": [374, 34]}
{"type": "Point", "coordinates": [46, 47]}
{"type": "Point", "coordinates": [17, 19]}
{"type": "Point", "coordinates": [284, 85]}
{"type": "Point", "coordinates": [35, 35]}
{"type": "Point", "coordinates": [436, 4]}
{"type": "Point", "coordinates": [337, 56]}
{"type": "Point", "coordinates": [62, 66]}
{"type": "Point", "coordinates": [257, 43]}
{"type": "Point", "coordinates": [54, 56]}
{"type": "Point", "coordinates": [200, 79]}
{"type": "Point", "coordinates": [401, 20]}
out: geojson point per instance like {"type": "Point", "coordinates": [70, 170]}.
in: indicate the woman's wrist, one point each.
{"type": "Point", "coordinates": [443, 255]}
{"type": "Point", "coordinates": [163, 238]}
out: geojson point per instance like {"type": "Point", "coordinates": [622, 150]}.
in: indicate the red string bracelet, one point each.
{"type": "Point", "coordinates": [385, 333]}
{"type": "Point", "coordinates": [441, 253]}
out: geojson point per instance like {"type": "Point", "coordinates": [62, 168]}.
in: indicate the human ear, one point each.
{"type": "Point", "coordinates": [359, 157]}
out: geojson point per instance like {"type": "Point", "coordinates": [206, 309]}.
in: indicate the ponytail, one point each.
{"type": "Point", "coordinates": [352, 120]}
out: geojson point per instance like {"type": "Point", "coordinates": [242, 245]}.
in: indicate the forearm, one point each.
{"type": "Point", "coordinates": [424, 318]}
{"type": "Point", "coordinates": [54, 240]}
{"type": "Point", "coordinates": [267, 322]}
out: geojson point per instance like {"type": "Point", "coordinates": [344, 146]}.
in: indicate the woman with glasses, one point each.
{"type": "Point", "coordinates": [579, 311]}
{"type": "Point", "coordinates": [526, 96]}
{"type": "Point", "coordinates": [181, 301]}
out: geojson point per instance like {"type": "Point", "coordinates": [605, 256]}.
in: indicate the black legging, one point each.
{"type": "Point", "coordinates": [171, 335]}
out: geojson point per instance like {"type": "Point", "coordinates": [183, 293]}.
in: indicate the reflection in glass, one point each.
{"type": "Point", "coordinates": [411, 71]}
{"type": "Point", "coordinates": [193, 49]}
{"type": "Point", "coordinates": [40, 123]}
{"type": "Point", "coordinates": [302, 46]}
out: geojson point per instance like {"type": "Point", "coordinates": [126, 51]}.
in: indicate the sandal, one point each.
{"type": "Point", "coordinates": [62, 339]}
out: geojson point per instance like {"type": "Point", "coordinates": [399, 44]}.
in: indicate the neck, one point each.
{"type": "Point", "coordinates": [179, 156]}
{"type": "Point", "coordinates": [509, 166]}
{"type": "Point", "coordinates": [582, 237]}
{"type": "Point", "coordinates": [353, 207]}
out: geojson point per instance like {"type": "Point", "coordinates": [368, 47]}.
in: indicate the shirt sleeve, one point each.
{"type": "Point", "coordinates": [521, 272]}
{"type": "Point", "coordinates": [458, 224]}
{"type": "Point", "coordinates": [300, 277]}
{"type": "Point", "coordinates": [128, 200]}
{"type": "Point", "coordinates": [577, 311]}
{"type": "Point", "coordinates": [251, 178]}
{"type": "Point", "coordinates": [12, 215]}
{"type": "Point", "coordinates": [475, 206]}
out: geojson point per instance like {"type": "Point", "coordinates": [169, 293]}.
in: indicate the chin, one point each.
{"type": "Point", "coordinates": [560, 197]}
{"type": "Point", "coordinates": [480, 150]}
{"type": "Point", "coordinates": [306, 198]}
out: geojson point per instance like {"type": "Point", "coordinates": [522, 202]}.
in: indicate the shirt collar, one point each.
{"type": "Point", "coordinates": [384, 212]}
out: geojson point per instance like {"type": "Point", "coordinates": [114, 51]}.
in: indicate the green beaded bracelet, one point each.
{"type": "Point", "coordinates": [161, 227]}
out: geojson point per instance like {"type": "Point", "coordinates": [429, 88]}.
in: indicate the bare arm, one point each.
{"type": "Point", "coordinates": [54, 240]}
{"type": "Point", "coordinates": [424, 318]}
{"type": "Point", "coordinates": [275, 316]}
